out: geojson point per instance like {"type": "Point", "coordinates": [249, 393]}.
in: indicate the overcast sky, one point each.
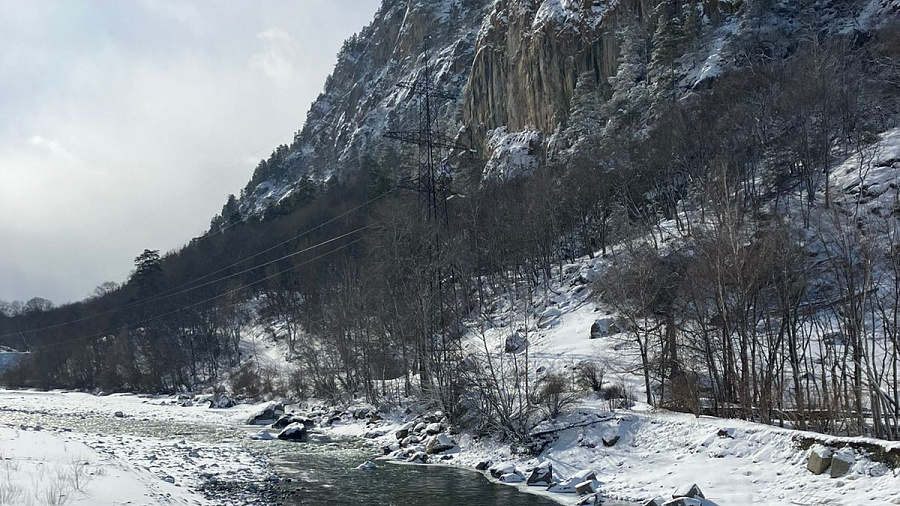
{"type": "Point", "coordinates": [124, 125]}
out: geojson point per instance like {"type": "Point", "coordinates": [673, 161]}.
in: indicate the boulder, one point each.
{"type": "Point", "coordinates": [283, 421]}
{"type": "Point", "coordinates": [587, 487]}
{"type": "Point", "coordinates": [411, 440]}
{"type": "Point", "coordinates": [418, 458]}
{"type": "Point", "coordinates": [570, 485]}
{"type": "Point", "coordinates": [403, 431]}
{"type": "Point", "coordinates": [498, 470]}
{"type": "Point", "coordinates": [563, 487]}
{"type": "Point", "coordinates": [483, 465]}
{"type": "Point", "coordinates": [515, 477]}
{"type": "Point", "coordinates": [600, 327]}
{"type": "Point", "coordinates": [439, 443]}
{"type": "Point", "coordinates": [294, 432]}
{"type": "Point", "coordinates": [515, 343]}
{"type": "Point", "coordinates": [691, 491]}
{"type": "Point", "coordinates": [819, 459]}
{"type": "Point", "coordinates": [366, 466]}
{"type": "Point", "coordinates": [267, 415]}
{"type": "Point", "coordinates": [432, 428]}
{"type": "Point", "coordinates": [420, 427]}
{"type": "Point", "coordinates": [842, 462]}
{"type": "Point", "coordinates": [656, 501]}
{"type": "Point", "coordinates": [610, 442]}
{"type": "Point", "coordinates": [541, 476]}
{"type": "Point", "coordinates": [262, 435]}
{"type": "Point", "coordinates": [119, 414]}
{"type": "Point", "coordinates": [220, 401]}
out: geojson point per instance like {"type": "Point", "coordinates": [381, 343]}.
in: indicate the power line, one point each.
{"type": "Point", "coordinates": [179, 290]}
{"type": "Point", "coordinates": [167, 296]}
{"type": "Point", "coordinates": [191, 306]}
{"type": "Point", "coordinates": [228, 169]}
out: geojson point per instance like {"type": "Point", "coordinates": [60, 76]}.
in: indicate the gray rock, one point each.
{"type": "Point", "coordinates": [418, 458]}
{"type": "Point", "coordinates": [498, 470]}
{"type": "Point", "coordinates": [294, 432]}
{"type": "Point", "coordinates": [610, 442]}
{"type": "Point", "coordinates": [267, 415]}
{"type": "Point", "coordinates": [841, 463]}
{"type": "Point", "coordinates": [515, 477]}
{"type": "Point", "coordinates": [411, 440]}
{"type": "Point", "coordinates": [515, 343]}
{"type": "Point", "coordinates": [587, 487]}
{"type": "Point", "coordinates": [819, 459]}
{"type": "Point", "coordinates": [119, 414]}
{"type": "Point", "coordinates": [691, 491]}
{"type": "Point", "coordinates": [221, 401]}
{"type": "Point", "coordinates": [439, 443]}
{"type": "Point", "coordinates": [482, 466]}
{"type": "Point", "coordinates": [541, 476]}
{"type": "Point", "coordinates": [432, 428]}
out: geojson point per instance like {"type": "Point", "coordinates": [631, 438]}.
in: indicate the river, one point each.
{"type": "Point", "coordinates": [199, 449]}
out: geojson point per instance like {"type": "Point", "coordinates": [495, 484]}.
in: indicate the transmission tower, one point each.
{"type": "Point", "coordinates": [433, 181]}
{"type": "Point", "coordinates": [439, 352]}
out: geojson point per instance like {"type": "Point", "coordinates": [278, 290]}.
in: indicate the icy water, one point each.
{"type": "Point", "coordinates": [311, 474]}
{"type": "Point", "coordinates": [325, 475]}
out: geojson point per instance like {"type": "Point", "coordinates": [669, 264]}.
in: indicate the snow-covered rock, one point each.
{"type": "Point", "coordinates": [502, 468]}
{"type": "Point", "coordinates": [515, 477]}
{"type": "Point", "coordinates": [819, 459]}
{"type": "Point", "coordinates": [366, 466]}
{"type": "Point", "coordinates": [294, 432]}
{"type": "Point", "coordinates": [263, 435]}
{"type": "Point", "coordinates": [541, 476]}
{"type": "Point", "coordinates": [266, 415]}
{"type": "Point", "coordinates": [692, 491]}
{"type": "Point", "coordinates": [841, 462]}
{"type": "Point", "coordinates": [439, 443]}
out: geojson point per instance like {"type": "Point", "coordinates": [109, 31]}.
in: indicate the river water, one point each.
{"type": "Point", "coordinates": [309, 474]}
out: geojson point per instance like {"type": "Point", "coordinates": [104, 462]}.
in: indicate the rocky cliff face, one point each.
{"type": "Point", "coordinates": [513, 63]}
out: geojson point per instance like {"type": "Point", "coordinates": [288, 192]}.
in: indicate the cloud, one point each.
{"type": "Point", "coordinates": [280, 56]}
{"type": "Point", "coordinates": [126, 124]}
{"type": "Point", "coordinates": [54, 147]}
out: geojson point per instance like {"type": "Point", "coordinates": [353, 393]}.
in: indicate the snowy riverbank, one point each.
{"type": "Point", "coordinates": [74, 449]}
{"type": "Point", "coordinates": [735, 463]}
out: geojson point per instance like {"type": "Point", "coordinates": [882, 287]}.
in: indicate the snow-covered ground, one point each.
{"type": "Point", "coordinates": [71, 448]}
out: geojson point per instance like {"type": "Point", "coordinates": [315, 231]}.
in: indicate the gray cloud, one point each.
{"type": "Point", "coordinates": [126, 124]}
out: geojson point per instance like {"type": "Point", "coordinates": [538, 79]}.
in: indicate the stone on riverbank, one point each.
{"type": "Point", "coordinates": [541, 476]}
{"type": "Point", "coordinates": [819, 459]}
{"type": "Point", "coordinates": [294, 432]}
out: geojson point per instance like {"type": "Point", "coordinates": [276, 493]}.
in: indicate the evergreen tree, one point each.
{"type": "Point", "coordinates": [587, 119]}
{"type": "Point", "coordinates": [667, 42]}
{"type": "Point", "coordinates": [147, 271]}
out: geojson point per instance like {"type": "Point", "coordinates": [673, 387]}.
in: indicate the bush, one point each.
{"type": "Point", "coordinates": [554, 394]}
{"type": "Point", "coordinates": [618, 396]}
{"type": "Point", "coordinates": [589, 376]}
{"type": "Point", "coordinates": [250, 382]}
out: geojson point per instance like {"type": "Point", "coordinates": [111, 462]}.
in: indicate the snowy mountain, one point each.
{"type": "Point", "coordinates": [515, 66]}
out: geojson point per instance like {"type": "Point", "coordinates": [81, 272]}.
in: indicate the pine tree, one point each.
{"type": "Point", "coordinates": [630, 97]}
{"type": "Point", "coordinates": [667, 42]}
{"type": "Point", "coordinates": [586, 119]}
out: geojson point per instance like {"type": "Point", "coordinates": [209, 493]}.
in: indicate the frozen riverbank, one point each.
{"type": "Point", "coordinates": [639, 456]}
